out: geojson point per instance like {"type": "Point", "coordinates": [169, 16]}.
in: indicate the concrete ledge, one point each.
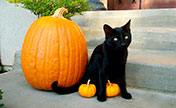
{"type": "Point", "coordinates": [140, 18]}
{"type": "Point", "coordinates": [17, 62]}
{"type": "Point", "coordinates": [151, 76]}
{"type": "Point", "coordinates": [14, 23]}
{"type": "Point", "coordinates": [145, 68]}
{"type": "Point", "coordinates": [154, 38]}
{"type": "Point", "coordinates": [19, 94]}
{"type": "Point", "coordinates": [151, 69]}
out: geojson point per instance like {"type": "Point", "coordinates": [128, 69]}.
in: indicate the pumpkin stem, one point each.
{"type": "Point", "coordinates": [88, 82]}
{"type": "Point", "coordinates": [59, 12]}
{"type": "Point", "coordinates": [109, 83]}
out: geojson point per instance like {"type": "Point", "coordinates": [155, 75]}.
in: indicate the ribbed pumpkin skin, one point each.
{"type": "Point", "coordinates": [54, 49]}
{"type": "Point", "coordinates": [112, 90]}
{"type": "Point", "coordinates": [87, 91]}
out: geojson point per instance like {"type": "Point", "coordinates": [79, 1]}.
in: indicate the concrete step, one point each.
{"type": "Point", "coordinates": [140, 18]}
{"type": "Point", "coordinates": [151, 29]}
{"type": "Point", "coordinates": [154, 38]}
{"type": "Point", "coordinates": [19, 94]}
{"type": "Point", "coordinates": [152, 69]}
{"type": "Point", "coordinates": [152, 54]}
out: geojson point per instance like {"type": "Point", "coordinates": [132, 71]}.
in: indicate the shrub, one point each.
{"type": "Point", "coordinates": [48, 7]}
{"type": "Point", "coordinates": [1, 98]}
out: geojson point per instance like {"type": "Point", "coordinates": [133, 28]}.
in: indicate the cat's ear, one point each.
{"type": "Point", "coordinates": [108, 30]}
{"type": "Point", "coordinates": [126, 27]}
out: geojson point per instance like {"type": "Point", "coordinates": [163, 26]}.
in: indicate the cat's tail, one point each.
{"type": "Point", "coordinates": [73, 88]}
{"type": "Point", "coordinates": [66, 90]}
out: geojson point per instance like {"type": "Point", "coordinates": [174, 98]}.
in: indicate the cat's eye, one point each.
{"type": "Point", "coordinates": [126, 37]}
{"type": "Point", "coordinates": [115, 39]}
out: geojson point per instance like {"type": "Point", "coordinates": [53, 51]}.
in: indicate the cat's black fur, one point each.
{"type": "Point", "coordinates": [108, 62]}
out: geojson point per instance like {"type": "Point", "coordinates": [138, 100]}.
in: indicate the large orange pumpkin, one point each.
{"type": "Point", "coordinates": [54, 49]}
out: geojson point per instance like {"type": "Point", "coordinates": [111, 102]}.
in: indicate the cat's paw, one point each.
{"type": "Point", "coordinates": [101, 98]}
{"type": "Point", "coordinates": [126, 95]}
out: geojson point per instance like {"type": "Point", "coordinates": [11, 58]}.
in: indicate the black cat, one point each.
{"type": "Point", "coordinates": [108, 62]}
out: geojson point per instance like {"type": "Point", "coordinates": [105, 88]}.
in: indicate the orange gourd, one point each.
{"type": "Point", "coordinates": [54, 49]}
{"type": "Point", "coordinates": [87, 90]}
{"type": "Point", "coordinates": [112, 89]}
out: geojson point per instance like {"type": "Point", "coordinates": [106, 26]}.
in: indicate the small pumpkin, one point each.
{"type": "Point", "coordinates": [54, 49]}
{"type": "Point", "coordinates": [87, 90]}
{"type": "Point", "coordinates": [112, 89]}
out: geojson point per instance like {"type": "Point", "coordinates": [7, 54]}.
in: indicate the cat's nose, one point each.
{"type": "Point", "coordinates": [122, 44]}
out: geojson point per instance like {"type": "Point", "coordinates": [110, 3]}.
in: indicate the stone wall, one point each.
{"type": "Point", "coordinates": [14, 22]}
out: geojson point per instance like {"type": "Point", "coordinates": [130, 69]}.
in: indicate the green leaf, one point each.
{"type": "Point", "coordinates": [48, 7]}
{"type": "Point", "coordinates": [1, 98]}
{"type": "Point", "coordinates": [1, 105]}
{"type": "Point", "coordinates": [1, 94]}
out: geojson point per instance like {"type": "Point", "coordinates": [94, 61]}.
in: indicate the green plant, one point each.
{"type": "Point", "coordinates": [1, 98]}
{"type": "Point", "coordinates": [48, 7]}
{"type": "Point", "coordinates": [2, 70]}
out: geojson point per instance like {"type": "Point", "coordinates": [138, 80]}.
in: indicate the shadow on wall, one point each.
{"type": "Point", "coordinates": [97, 5]}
